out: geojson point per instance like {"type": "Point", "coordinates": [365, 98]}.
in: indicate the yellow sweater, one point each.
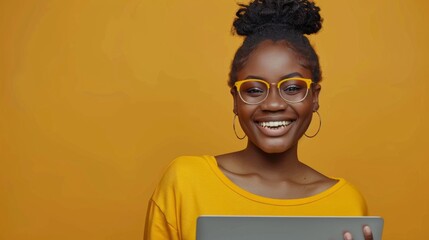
{"type": "Point", "coordinates": [194, 186]}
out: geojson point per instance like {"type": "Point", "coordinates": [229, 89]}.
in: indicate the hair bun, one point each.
{"type": "Point", "coordinates": [298, 15]}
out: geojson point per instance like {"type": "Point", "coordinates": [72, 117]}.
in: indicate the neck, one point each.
{"type": "Point", "coordinates": [274, 162]}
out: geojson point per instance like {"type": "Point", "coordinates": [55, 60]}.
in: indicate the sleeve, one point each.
{"type": "Point", "coordinates": [356, 202]}
{"type": "Point", "coordinates": [157, 226]}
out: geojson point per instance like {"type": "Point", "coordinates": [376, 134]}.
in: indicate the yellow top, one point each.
{"type": "Point", "coordinates": [194, 186]}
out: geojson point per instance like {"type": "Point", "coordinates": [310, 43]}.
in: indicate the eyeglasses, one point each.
{"type": "Point", "coordinates": [255, 91]}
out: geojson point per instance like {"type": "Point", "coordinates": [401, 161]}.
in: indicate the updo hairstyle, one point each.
{"type": "Point", "coordinates": [277, 20]}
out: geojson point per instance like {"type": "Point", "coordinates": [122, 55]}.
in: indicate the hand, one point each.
{"type": "Point", "coordinates": [367, 233]}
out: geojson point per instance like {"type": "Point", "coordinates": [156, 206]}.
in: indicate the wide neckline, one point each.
{"type": "Point", "coordinates": [211, 160]}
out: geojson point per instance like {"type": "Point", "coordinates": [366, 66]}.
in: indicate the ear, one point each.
{"type": "Point", "coordinates": [234, 99]}
{"type": "Point", "coordinates": [315, 92]}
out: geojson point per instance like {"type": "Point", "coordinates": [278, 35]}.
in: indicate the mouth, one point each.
{"type": "Point", "coordinates": [275, 124]}
{"type": "Point", "coordinates": [274, 128]}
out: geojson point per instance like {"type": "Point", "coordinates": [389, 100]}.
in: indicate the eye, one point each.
{"type": "Point", "coordinates": [254, 91]}
{"type": "Point", "coordinates": [292, 89]}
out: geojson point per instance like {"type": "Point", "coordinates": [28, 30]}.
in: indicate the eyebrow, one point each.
{"type": "Point", "coordinates": [294, 74]}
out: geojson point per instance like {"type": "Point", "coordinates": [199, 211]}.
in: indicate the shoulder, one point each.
{"type": "Point", "coordinates": [186, 164]}
{"type": "Point", "coordinates": [184, 170]}
{"type": "Point", "coordinates": [350, 189]}
{"type": "Point", "coordinates": [349, 195]}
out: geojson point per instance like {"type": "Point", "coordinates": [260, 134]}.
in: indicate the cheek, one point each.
{"type": "Point", "coordinates": [306, 110]}
{"type": "Point", "coordinates": [307, 120]}
{"type": "Point", "coordinates": [306, 115]}
{"type": "Point", "coordinates": [245, 113]}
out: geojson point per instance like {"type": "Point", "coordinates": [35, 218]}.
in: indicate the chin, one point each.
{"type": "Point", "coordinates": [275, 147]}
{"type": "Point", "coordinates": [275, 150]}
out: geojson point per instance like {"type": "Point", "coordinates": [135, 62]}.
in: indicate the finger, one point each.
{"type": "Point", "coordinates": [367, 233]}
{"type": "Point", "coordinates": [348, 236]}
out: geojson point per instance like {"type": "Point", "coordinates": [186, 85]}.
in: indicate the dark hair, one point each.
{"type": "Point", "coordinates": [277, 20]}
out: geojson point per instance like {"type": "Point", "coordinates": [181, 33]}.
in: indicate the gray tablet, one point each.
{"type": "Point", "coordinates": [285, 228]}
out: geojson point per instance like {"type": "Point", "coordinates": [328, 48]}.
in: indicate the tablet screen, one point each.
{"type": "Point", "coordinates": [285, 228]}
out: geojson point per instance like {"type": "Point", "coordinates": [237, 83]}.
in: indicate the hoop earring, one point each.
{"type": "Point", "coordinates": [235, 131]}
{"type": "Point", "coordinates": [318, 129]}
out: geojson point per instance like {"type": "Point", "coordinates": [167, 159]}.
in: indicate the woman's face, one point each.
{"type": "Point", "coordinates": [273, 62]}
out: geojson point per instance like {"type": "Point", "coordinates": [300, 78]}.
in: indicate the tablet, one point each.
{"type": "Point", "coordinates": [285, 228]}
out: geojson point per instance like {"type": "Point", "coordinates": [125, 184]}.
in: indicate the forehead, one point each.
{"type": "Point", "coordinates": [271, 61]}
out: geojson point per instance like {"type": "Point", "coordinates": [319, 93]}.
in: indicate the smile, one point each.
{"type": "Point", "coordinates": [274, 124]}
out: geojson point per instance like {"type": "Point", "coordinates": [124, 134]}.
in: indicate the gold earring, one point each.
{"type": "Point", "coordinates": [235, 131]}
{"type": "Point", "coordinates": [318, 129]}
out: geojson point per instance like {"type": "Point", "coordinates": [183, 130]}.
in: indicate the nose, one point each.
{"type": "Point", "coordinates": [274, 102]}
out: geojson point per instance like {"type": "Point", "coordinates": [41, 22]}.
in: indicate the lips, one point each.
{"type": "Point", "coordinates": [274, 124]}
{"type": "Point", "coordinates": [274, 128]}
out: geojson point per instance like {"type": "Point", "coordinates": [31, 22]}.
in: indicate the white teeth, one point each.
{"type": "Point", "coordinates": [275, 124]}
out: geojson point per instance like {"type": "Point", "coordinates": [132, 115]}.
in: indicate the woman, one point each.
{"type": "Point", "coordinates": [275, 83]}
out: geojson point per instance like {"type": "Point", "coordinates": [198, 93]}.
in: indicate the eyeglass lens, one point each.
{"type": "Point", "coordinates": [256, 91]}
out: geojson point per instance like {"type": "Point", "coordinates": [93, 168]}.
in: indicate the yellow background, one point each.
{"type": "Point", "coordinates": [98, 96]}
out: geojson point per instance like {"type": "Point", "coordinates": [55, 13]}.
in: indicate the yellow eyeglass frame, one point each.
{"type": "Point", "coordinates": [306, 80]}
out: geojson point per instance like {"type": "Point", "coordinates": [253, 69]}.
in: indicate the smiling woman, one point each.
{"type": "Point", "coordinates": [97, 96]}
{"type": "Point", "coordinates": [275, 84]}
{"type": "Point", "coordinates": [274, 62]}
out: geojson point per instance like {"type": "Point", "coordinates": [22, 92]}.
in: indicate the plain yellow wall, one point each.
{"type": "Point", "coordinates": [98, 96]}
